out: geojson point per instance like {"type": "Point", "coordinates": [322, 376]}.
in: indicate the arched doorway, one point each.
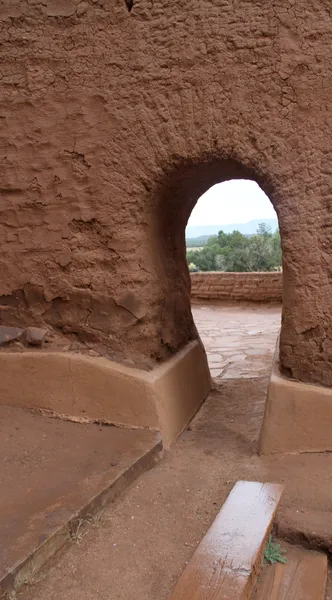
{"type": "Point", "coordinates": [178, 193]}
{"type": "Point", "coordinates": [235, 262]}
{"type": "Point", "coordinates": [301, 355]}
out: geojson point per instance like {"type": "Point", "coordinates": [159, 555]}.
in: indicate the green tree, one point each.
{"type": "Point", "coordinates": [234, 251]}
{"type": "Point", "coordinates": [204, 259]}
{"type": "Point", "coordinates": [213, 239]}
{"type": "Point", "coordinates": [276, 244]}
{"type": "Point", "coordinates": [237, 252]}
{"type": "Point", "coordinates": [264, 230]}
{"type": "Point", "coordinates": [261, 252]}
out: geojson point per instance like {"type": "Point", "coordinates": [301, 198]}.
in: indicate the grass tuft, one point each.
{"type": "Point", "coordinates": [273, 552]}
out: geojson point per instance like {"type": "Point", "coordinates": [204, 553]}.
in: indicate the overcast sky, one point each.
{"type": "Point", "coordinates": [236, 201]}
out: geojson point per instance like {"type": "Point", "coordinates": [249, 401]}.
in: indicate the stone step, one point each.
{"type": "Point", "coordinates": [227, 562]}
{"type": "Point", "coordinates": [303, 577]}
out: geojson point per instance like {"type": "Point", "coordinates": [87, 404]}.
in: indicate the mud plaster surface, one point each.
{"type": "Point", "coordinates": [50, 469]}
{"type": "Point", "coordinates": [143, 542]}
{"type": "Point", "coordinates": [113, 123]}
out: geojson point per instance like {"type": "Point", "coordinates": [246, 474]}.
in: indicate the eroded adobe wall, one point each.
{"type": "Point", "coordinates": [237, 287]}
{"type": "Point", "coordinates": [114, 122]}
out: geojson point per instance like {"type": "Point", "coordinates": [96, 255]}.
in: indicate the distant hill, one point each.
{"type": "Point", "coordinates": [197, 241]}
{"type": "Point", "coordinates": [205, 231]}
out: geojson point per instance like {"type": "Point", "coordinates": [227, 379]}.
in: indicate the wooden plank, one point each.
{"type": "Point", "coordinates": [227, 562]}
{"type": "Point", "coordinates": [303, 577]}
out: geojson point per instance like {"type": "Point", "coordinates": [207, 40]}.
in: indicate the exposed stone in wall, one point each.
{"type": "Point", "coordinates": [33, 336]}
{"type": "Point", "coordinates": [249, 287]}
{"type": "Point", "coordinates": [112, 125]}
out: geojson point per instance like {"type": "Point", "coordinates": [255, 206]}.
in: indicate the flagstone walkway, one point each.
{"type": "Point", "coordinates": [239, 340]}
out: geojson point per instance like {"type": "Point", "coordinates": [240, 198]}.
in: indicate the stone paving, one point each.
{"type": "Point", "coordinates": [239, 340]}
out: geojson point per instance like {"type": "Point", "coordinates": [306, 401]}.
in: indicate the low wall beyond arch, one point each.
{"type": "Point", "coordinates": [248, 287]}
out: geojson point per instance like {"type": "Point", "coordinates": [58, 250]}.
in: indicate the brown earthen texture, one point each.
{"type": "Point", "coordinates": [113, 123]}
{"type": "Point", "coordinates": [93, 389]}
{"type": "Point", "coordinates": [237, 287]}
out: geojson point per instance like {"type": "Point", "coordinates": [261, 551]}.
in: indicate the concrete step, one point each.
{"type": "Point", "coordinates": [227, 562]}
{"type": "Point", "coordinates": [303, 577]}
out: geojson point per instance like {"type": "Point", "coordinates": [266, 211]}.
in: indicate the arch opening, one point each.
{"type": "Point", "coordinates": [234, 227]}
{"type": "Point", "coordinates": [178, 194]}
{"type": "Point", "coordinates": [235, 260]}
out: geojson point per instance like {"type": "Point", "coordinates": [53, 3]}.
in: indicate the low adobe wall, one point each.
{"type": "Point", "coordinates": [92, 389]}
{"type": "Point", "coordinates": [249, 287]}
{"type": "Point", "coordinates": [298, 416]}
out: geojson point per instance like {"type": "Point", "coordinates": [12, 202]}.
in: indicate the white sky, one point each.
{"type": "Point", "coordinates": [235, 201]}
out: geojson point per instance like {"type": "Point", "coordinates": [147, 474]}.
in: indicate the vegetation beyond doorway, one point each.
{"type": "Point", "coordinates": [237, 252]}
{"type": "Point", "coordinates": [234, 228]}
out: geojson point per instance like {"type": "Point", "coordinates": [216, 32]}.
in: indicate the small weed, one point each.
{"type": "Point", "coordinates": [80, 528]}
{"type": "Point", "coordinates": [27, 580]}
{"type": "Point", "coordinates": [273, 552]}
{"type": "Point", "coordinates": [77, 535]}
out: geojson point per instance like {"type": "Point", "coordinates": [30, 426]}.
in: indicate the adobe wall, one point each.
{"type": "Point", "coordinates": [113, 123]}
{"type": "Point", "coordinates": [237, 287]}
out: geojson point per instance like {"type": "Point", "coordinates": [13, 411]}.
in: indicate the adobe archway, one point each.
{"type": "Point", "coordinates": [293, 409]}
{"type": "Point", "coordinates": [177, 196]}
{"type": "Point", "coordinates": [103, 114]}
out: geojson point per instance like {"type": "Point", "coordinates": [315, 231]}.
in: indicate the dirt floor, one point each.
{"type": "Point", "coordinates": [140, 544]}
{"type": "Point", "coordinates": [52, 469]}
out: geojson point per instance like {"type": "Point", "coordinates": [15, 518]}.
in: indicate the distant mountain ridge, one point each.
{"type": "Point", "coordinates": [245, 228]}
